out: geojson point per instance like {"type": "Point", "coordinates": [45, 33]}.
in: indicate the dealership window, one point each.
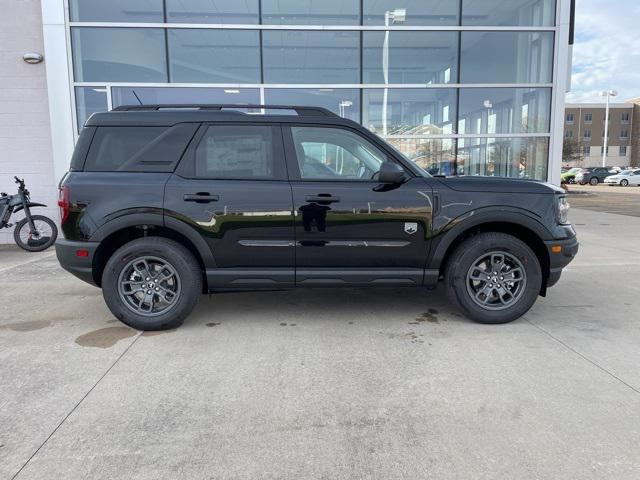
{"type": "Point", "coordinates": [342, 101]}
{"type": "Point", "coordinates": [504, 157]}
{"type": "Point", "coordinates": [311, 12]}
{"type": "Point", "coordinates": [118, 54]}
{"type": "Point", "coordinates": [294, 56]}
{"type": "Point", "coordinates": [184, 95]}
{"type": "Point", "coordinates": [506, 57]}
{"type": "Point", "coordinates": [140, 11]}
{"type": "Point", "coordinates": [513, 110]}
{"type": "Point", "coordinates": [435, 155]}
{"type": "Point", "coordinates": [214, 56]}
{"type": "Point", "coordinates": [89, 100]}
{"type": "Point", "coordinates": [245, 12]}
{"type": "Point", "coordinates": [409, 111]}
{"type": "Point", "coordinates": [411, 12]}
{"type": "Point", "coordinates": [413, 57]}
{"type": "Point", "coordinates": [511, 13]}
{"type": "Point", "coordinates": [239, 152]}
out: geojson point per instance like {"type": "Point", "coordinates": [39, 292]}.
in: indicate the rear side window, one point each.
{"type": "Point", "coordinates": [138, 149]}
{"type": "Point", "coordinates": [240, 152]}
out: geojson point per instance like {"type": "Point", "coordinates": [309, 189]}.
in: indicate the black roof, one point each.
{"type": "Point", "coordinates": [170, 114]}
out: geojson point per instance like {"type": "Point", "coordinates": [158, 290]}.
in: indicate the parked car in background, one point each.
{"type": "Point", "coordinates": [569, 176]}
{"type": "Point", "coordinates": [625, 178]}
{"type": "Point", "coordinates": [593, 175]}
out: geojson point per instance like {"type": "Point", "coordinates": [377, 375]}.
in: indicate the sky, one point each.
{"type": "Point", "coordinates": [606, 55]}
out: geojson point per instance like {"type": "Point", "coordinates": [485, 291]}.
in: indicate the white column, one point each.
{"type": "Point", "coordinates": [58, 84]}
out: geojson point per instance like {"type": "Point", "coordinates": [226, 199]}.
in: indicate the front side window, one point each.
{"type": "Point", "coordinates": [335, 154]}
{"type": "Point", "coordinates": [241, 152]}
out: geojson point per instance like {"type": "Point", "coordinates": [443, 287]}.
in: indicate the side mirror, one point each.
{"type": "Point", "coordinates": [391, 173]}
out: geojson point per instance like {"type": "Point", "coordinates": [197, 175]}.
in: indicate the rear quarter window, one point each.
{"type": "Point", "coordinates": [138, 149]}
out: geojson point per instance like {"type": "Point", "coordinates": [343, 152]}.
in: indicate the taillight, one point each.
{"type": "Point", "coordinates": [63, 203]}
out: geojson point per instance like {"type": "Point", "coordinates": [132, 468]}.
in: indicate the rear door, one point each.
{"type": "Point", "coordinates": [232, 188]}
{"type": "Point", "coordinates": [349, 227]}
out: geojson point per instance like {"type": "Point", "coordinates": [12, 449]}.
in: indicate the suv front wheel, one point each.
{"type": "Point", "coordinates": [152, 283]}
{"type": "Point", "coordinates": [493, 278]}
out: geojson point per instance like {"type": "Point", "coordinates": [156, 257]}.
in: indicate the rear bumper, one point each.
{"type": "Point", "coordinates": [559, 260]}
{"type": "Point", "coordinates": [80, 266]}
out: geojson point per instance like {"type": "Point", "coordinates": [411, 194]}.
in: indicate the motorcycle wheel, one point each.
{"type": "Point", "coordinates": [38, 240]}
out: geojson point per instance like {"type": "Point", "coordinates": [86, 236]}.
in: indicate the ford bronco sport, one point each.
{"type": "Point", "coordinates": [165, 202]}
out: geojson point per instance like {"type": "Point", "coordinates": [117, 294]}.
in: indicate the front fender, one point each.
{"type": "Point", "coordinates": [447, 235]}
{"type": "Point", "coordinates": [29, 204]}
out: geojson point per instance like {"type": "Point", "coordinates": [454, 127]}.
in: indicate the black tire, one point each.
{"type": "Point", "coordinates": [38, 244]}
{"type": "Point", "coordinates": [594, 181]}
{"type": "Point", "coordinates": [624, 182]}
{"type": "Point", "coordinates": [464, 258]}
{"type": "Point", "coordinates": [572, 181]}
{"type": "Point", "coordinates": [184, 267]}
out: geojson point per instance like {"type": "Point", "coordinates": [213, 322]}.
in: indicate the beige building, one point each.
{"type": "Point", "coordinates": [584, 125]}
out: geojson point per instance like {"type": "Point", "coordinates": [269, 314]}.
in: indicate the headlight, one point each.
{"type": "Point", "coordinates": [562, 210]}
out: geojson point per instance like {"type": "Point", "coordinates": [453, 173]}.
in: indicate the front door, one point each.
{"type": "Point", "coordinates": [232, 188]}
{"type": "Point", "coordinates": [349, 227]}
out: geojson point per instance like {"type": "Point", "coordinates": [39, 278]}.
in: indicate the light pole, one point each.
{"type": "Point", "coordinates": [343, 105]}
{"type": "Point", "coordinates": [608, 94]}
{"type": "Point", "coordinates": [396, 16]}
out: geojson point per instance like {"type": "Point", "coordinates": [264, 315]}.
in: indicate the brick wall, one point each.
{"type": "Point", "coordinates": [25, 138]}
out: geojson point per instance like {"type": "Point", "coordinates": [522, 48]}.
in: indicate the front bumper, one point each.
{"type": "Point", "coordinates": [73, 259]}
{"type": "Point", "coordinates": [561, 254]}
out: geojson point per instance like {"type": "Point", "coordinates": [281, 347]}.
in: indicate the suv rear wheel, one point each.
{"type": "Point", "coordinates": [152, 283]}
{"type": "Point", "coordinates": [594, 181]}
{"type": "Point", "coordinates": [493, 278]}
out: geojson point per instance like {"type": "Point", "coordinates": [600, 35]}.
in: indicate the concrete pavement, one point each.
{"type": "Point", "coordinates": [344, 383]}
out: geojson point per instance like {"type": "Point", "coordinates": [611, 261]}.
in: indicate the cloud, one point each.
{"type": "Point", "coordinates": [606, 54]}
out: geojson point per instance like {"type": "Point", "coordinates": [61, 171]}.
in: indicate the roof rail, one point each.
{"type": "Point", "coordinates": [302, 111]}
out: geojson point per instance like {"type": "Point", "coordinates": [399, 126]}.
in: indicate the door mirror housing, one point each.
{"type": "Point", "coordinates": [391, 173]}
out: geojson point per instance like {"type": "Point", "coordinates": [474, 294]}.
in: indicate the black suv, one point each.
{"type": "Point", "coordinates": [163, 203]}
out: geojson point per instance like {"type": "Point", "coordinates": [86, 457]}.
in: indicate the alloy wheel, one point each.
{"type": "Point", "coordinates": [496, 280]}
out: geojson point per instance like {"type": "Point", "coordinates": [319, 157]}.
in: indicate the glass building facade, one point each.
{"type": "Point", "coordinates": [463, 87]}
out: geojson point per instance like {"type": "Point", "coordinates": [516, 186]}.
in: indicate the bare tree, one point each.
{"type": "Point", "coordinates": [571, 151]}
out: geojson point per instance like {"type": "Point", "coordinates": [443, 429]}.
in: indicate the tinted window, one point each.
{"type": "Point", "coordinates": [335, 154]}
{"type": "Point", "coordinates": [416, 12]}
{"type": "Point", "coordinates": [508, 12]}
{"type": "Point", "coordinates": [212, 11]}
{"type": "Point", "coordinates": [214, 56]}
{"type": "Point", "coordinates": [138, 149]}
{"type": "Point", "coordinates": [311, 12]}
{"type": "Point", "coordinates": [311, 57]}
{"type": "Point", "coordinates": [506, 57]}
{"type": "Point", "coordinates": [118, 54]}
{"type": "Point", "coordinates": [239, 152]}
{"type": "Point", "coordinates": [413, 57]}
{"type": "Point", "coordinates": [116, 11]}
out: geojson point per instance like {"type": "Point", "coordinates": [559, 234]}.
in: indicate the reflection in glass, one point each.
{"type": "Point", "coordinates": [411, 57]}
{"type": "Point", "coordinates": [311, 12]}
{"type": "Point", "coordinates": [118, 54]}
{"type": "Point", "coordinates": [506, 57]}
{"type": "Point", "coordinates": [89, 100]}
{"type": "Point", "coordinates": [409, 111]}
{"type": "Point", "coordinates": [344, 102]}
{"type": "Point", "coordinates": [532, 13]}
{"type": "Point", "coordinates": [292, 56]}
{"type": "Point", "coordinates": [504, 157]}
{"type": "Point", "coordinates": [504, 110]}
{"type": "Point", "coordinates": [416, 12]}
{"type": "Point", "coordinates": [213, 11]}
{"type": "Point", "coordinates": [435, 155]}
{"type": "Point", "coordinates": [116, 11]}
{"type": "Point", "coordinates": [214, 56]}
{"type": "Point", "coordinates": [183, 95]}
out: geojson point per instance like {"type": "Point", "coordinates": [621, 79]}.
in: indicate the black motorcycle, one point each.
{"type": "Point", "coordinates": [34, 233]}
